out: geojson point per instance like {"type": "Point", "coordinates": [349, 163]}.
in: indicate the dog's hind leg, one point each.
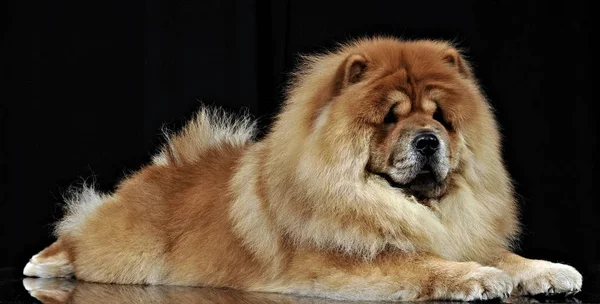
{"type": "Point", "coordinates": [51, 262]}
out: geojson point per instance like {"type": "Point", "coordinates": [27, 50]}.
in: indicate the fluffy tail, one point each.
{"type": "Point", "coordinates": [212, 127]}
{"type": "Point", "coordinates": [51, 262]}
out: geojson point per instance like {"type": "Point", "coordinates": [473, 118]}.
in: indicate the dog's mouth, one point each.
{"type": "Point", "coordinates": [426, 184]}
{"type": "Point", "coordinates": [426, 170]}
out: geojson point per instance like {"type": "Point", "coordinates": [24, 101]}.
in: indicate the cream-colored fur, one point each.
{"type": "Point", "coordinates": [58, 266]}
{"type": "Point", "coordinates": [79, 204]}
{"type": "Point", "coordinates": [532, 277]}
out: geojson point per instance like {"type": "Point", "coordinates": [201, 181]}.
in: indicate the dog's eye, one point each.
{"type": "Point", "coordinates": [390, 117]}
{"type": "Point", "coordinates": [439, 116]}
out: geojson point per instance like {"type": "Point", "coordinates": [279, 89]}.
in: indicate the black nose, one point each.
{"type": "Point", "coordinates": [426, 143]}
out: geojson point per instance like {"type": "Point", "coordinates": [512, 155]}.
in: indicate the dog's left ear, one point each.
{"type": "Point", "coordinates": [355, 68]}
{"type": "Point", "coordinates": [351, 71]}
{"type": "Point", "coordinates": [456, 60]}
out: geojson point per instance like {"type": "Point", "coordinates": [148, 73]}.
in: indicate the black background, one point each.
{"type": "Point", "coordinates": [87, 86]}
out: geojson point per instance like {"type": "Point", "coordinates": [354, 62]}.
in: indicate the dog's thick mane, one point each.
{"type": "Point", "coordinates": [333, 206]}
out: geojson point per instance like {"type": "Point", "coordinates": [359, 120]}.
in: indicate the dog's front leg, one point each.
{"type": "Point", "coordinates": [532, 277]}
{"type": "Point", "coordinates": [390, 277]}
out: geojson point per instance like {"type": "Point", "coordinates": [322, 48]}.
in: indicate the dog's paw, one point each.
{"type": "Point", "coordinates": [543, 277]}
{"type": "Point", "coordinates": [481, 283]}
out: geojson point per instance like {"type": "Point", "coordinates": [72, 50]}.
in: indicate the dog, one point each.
{"type": "Point", "coordinates": [380, 179]}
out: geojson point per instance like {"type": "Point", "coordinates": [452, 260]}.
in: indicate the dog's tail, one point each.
{"type": "Point", "coordinates": [51, 262]}
{"type": "Point", "coordinates": [211, 128]}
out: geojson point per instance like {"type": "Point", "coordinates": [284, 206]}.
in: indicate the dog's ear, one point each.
{"type": "Point", "coordinates": [351, 71]}
{"type": "Point", "coordinates": [456, 60]}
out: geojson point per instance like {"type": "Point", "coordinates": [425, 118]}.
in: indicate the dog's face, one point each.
{"type": "Point", "coordinates": [413, 101]}
{"type": "Point", "coordinates": [413, 146]}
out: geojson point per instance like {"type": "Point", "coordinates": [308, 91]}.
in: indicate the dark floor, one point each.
{"type": "Point", "coordinates": [13, 289]}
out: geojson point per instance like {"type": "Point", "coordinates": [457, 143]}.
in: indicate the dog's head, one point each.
{"type": "Point", "coordinates": [407, 109]}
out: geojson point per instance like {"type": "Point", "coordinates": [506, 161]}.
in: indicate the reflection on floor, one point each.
{"type": "Point", "coordinates": [59, 291]}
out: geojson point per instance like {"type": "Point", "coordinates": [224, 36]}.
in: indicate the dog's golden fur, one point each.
{"type": "Point", "coordinates": [303, 210]}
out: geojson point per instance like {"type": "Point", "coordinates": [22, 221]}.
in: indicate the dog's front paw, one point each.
{"type": "Point", "coordinates": [480, 283]}
{"type": "Point", "coordinates": [543, 277]}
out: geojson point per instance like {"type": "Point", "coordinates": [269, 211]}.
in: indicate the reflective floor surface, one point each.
{"type": "Point", "coordinates": [16, 289]}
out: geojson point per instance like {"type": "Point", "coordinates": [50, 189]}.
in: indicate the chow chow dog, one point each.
{"type": "Point", "coordinates": [380, 179]}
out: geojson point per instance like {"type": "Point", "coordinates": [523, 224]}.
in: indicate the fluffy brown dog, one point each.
{"type": "Point", "coordinates": [381, 179]}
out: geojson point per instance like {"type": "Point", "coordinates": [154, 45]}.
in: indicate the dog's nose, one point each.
{"type": "Point", "coordinates": [426, 143]}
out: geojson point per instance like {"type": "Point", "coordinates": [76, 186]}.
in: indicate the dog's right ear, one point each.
{"type": "Point", "coordinates": [351, 71]}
